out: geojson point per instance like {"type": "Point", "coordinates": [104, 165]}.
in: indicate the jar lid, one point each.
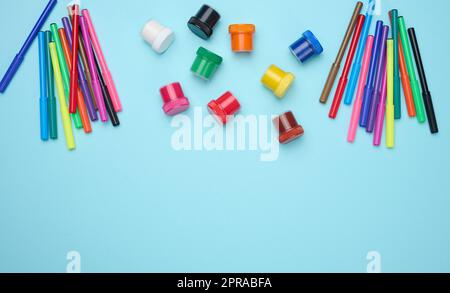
{"type": "Point", "coordinates": [214, 58]}
{"type": "Point", "coordinates": [242, 28]}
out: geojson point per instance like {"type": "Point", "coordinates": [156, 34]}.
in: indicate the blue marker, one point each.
{"type": "Point", "coordinates": [370, 84]}
{"type": "Point", "coordinates": [17, 61]}
{"type": "Point", "coordinates": [43, 100]}
{"type": "Point", "coordinates": [354, 75]}
{"type": "Point", "coordinates": [381, 71]}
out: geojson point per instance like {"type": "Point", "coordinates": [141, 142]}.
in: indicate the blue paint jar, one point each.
{"type": "Point", "coordinates": [306, 47]}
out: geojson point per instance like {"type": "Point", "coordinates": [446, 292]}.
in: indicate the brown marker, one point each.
{"type": "Point", "coordinates": [337, 64]}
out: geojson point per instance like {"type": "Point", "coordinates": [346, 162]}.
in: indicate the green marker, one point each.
{"type": "Point", "coordinates": [53, 125]}
{"type": "Point", "coordinates": [418, 102]}
{"type": "Point", "coordinates": [397, 99]}
{"type": "Point", "coordinates": [65, 73]}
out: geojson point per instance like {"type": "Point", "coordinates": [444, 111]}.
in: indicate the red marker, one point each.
{"type": "Point", "coordinates": [348, 63]}
{"type": "Point", "coordinates": [80, 99]}
{"type": "Point", "coordinates": [74, 72]}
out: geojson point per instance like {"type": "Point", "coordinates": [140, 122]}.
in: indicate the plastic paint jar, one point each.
{"type": "Point", "coordinates": [277, 80]}
{"type": "Point", "coordinates": [288, 128]}
{"type": "Point", "coordinates": [224, 107]}
{"type": "Point", "coordinates": [242, 37]}
{"type": "Point", "coordinates": [203, 23]}
{"type": "Point", "coordinates": [158, 36]}
{"type": "Point", "coordinates": [206, 64]}
{"type": "Point", "coordinates": [306, 47]}
{"type": "Point", "coordinates": [174, 100]}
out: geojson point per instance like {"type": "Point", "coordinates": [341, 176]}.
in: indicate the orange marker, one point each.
{"type": "Point", "coordinates": [80, 99]}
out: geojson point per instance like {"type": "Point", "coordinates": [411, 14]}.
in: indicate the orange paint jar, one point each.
{"type": "Point", "coordinates": [242, 37]}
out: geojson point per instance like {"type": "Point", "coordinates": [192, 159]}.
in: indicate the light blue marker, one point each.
{"type": "Point", "coordinates": [354, 75]}
{"type": "Point", "coordinates": [43, 100]}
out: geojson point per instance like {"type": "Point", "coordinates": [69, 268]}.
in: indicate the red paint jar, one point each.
{"type": "Point", "coordinates": [225, 106]}
{"type": "Point", "coordinates": [288, 128]}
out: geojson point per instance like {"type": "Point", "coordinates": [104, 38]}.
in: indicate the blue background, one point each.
{"type": "Point", "coordinates": [129, 203]}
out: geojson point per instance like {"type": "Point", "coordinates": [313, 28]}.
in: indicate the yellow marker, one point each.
{"type": "Point", "coordinates": [390, 110]}
{"type": "Point", "coordinates": [67, 124]}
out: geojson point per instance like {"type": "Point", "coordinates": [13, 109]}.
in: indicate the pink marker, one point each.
{"type": "Point", "coordinates": [379, 123]}
{"type": "Point", "coordinates": [94, 73]}
{"type": "Point", "coordinates": [101, 58]}
{"type": "Point", "coordinates": [359, 94]}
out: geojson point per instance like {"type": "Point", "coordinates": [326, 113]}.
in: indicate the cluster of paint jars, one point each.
{"type": "Point", "coordinates": [206, 63]}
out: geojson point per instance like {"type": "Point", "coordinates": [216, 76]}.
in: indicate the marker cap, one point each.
{"type": "Point", "coordinates": [158, 36]}
{"type": "Point", "coordinates": [242, 37]}
{"type": "Point", "coordinates": [202, 24]}
{"type": "Point", "coordinates": [288, 127]}
{"type": "Point", "coordinates": [206, 63]}
{"type": "Point", "coordinates": [277, 80]}
{"type": "Point", "coordinates": [174, 100]}
{"type": "Point", "coordinates": [306, 47]}
{"type": "Point", "coordinates": [224, 107]}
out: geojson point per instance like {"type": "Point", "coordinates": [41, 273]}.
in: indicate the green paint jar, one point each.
{"type": "Point", "coordinates": [206, 63]}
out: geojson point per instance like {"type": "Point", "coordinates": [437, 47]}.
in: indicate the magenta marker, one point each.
{"type": "Point", "coordinates": [376, 96]}
{"type": "Point", "coordinates": [381, 111]}
{"type": "Point", "coordinates": [92, 67]}
{"type": "Point", "coordinates": [102, 61]}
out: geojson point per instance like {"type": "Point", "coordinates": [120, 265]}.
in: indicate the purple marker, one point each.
{"type": "Point", "coordinates": [95, 81]}
{"type": "Point", "coordinates": [370, 83]}
{"type": "Point", "coordinates": [381, 110]}
{"type": "Point", "coordinates": [82, 78]}
{"type": "Point", "coordinates": [376, 94]}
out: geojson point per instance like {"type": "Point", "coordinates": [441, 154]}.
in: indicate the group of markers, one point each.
{"type": "Point", "coordinates": [380, 63]}
{"type": "Point", "coordinates": [72, 59]}
{"type": "Point", "coordinates": [206, 64]}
